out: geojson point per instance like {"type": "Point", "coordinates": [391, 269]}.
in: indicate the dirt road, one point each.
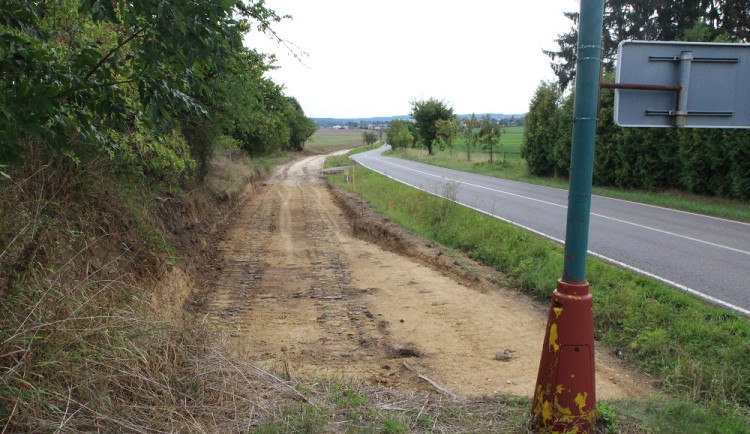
{"type": "Point", "coordinates": [298, 293]}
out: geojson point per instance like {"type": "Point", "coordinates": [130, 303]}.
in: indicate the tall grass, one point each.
{"type": "Point", "coordinates": [81, 347]}
{"type": "Point", "coordinates": [696, 350]}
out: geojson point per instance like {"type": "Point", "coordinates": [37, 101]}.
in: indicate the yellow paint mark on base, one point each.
{"type": "Point", "coordinates": [564, 414]}
{"type": "Point", "coordinates": [538, 400]}
{"type": "Point", "coordinates": [553, 338]}
{"type": "Point", "coordinates": [546, 411]}
{"type": "Point", "coordinates": [581, 401]}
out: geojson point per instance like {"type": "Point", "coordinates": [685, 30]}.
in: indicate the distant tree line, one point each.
{"type": "Point", "coordinates": [383, 123]}
{"type": "Point", "coordinates": [364, 123]}
{"type": "Point", "coordinates": [714, 162]}
{"type": "Point", "coordinates": [154, 86]}
{"type": "Point", "coordinates": [513, 121]}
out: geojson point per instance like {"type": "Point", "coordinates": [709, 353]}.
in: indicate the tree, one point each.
{"type": "Point", "coordinates": [426, 113]}
{"type": "Point", "coordinates": [541, 130]}
{"type": "Point", "coordinates": [258, 113]}
{"type": "Point", "coordinates": [658, 20]}
{"type": "Point", "coordinates": [113, 74]}
{"type": "Point", "coordinates": [233, 97]}
{"type": "Point", "coordinates": [301, 127]}
{"type": "Point", "coordinates": [369, 137]}
{"type": "Point", "coordinates": [489, 134]}
{"type": "Point", "coordinates": [398, 134]}
{"type": "Point", "coordinates": [446, 132]}
{"type": "Point", "coordinates": [470, 131]}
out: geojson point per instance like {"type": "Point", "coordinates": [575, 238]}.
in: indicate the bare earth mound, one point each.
{"type": "Point", "coordinates": [297, 292]}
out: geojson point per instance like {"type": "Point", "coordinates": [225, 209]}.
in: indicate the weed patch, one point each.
{"type": "Point", "coordinates": [80, 348]}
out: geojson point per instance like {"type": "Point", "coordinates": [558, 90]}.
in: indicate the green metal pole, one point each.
{"type": "Point", "coordinates": [565, 393]}
{"type": "Point", "coordinates": [584, 130]}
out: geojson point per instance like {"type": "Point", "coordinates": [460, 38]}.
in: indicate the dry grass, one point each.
{"type": "Point", "coordinates": [82, 350]}
{"type": "Point", "coordinates": [79, 348]}
{"type": "Point", "coordinates": [231, 171]}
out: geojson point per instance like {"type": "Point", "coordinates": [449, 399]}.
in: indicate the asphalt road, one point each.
{"type": "Point", "coordinates": [706, 256]}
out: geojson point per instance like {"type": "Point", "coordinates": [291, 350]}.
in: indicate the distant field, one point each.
{"type": "Point", "coordinates": [508, 154]}
{"type": "Point", "coordinates": [510, 143]}
{"type": "Point", "coordinates": [328, 140]}
{"type": "Point", "coordinates": [511, 139]}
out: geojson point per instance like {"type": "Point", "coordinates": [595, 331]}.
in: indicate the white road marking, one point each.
{"type": "Point", "coordinates": [697, 240]}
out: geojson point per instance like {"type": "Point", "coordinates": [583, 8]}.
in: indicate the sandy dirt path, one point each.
{"type": "Point", "coordinates": [299, 294]}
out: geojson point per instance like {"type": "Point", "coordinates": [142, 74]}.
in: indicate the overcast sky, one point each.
{"type": "Point", "coordinates": [368, 59]}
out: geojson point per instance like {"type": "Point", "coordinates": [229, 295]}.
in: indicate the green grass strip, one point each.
{"type": "Point", "coordinates": [699, 352]}
{"type": "Point", "coordinates": [343, 160]}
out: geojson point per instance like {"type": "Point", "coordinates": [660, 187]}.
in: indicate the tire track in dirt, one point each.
{"type": "Point", "coordinates": [300, 294]}
{"type": "Point", "coordinates": [299, 307]}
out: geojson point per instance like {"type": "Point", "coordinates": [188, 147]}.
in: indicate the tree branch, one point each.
{"type": "Point", "coordinates": [113, 51]}
{"type": "Point", "coordinates": [98, 86]}
{"type": "Point", "coordinates": [132, 80]}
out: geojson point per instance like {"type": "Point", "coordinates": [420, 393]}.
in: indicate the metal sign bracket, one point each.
{"type": "Point", "coordinates": [710, 82]}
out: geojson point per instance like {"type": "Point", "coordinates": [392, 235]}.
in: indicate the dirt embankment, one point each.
{"type": "Point", "coordinates": [294, 289]}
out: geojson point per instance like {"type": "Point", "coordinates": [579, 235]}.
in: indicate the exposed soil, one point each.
{"type": "Point", "coordinates": [296, 290]}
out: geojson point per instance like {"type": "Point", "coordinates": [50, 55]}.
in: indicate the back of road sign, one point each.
{"type": "Point", "coordinates": [714, 83]}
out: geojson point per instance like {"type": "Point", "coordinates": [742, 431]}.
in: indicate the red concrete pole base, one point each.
{"type": "Point", "coordinates": [564, 397]}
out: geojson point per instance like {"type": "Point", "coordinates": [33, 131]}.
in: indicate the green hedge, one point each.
{"type": "Point", "coordinates": [702, 161]}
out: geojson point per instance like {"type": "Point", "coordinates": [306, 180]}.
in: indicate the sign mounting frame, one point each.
{"type": "Point", "coordinates": [682, 84]}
